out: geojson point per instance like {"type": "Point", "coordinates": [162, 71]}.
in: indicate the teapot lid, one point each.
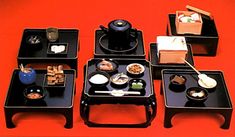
{"type": "Point", "coordinates": [119, 25]}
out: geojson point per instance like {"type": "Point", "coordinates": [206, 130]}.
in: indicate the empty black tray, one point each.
{"type": "Point", "coordinates": [55, 100]}
{"type": "Point", "coordinates": [175, 102]}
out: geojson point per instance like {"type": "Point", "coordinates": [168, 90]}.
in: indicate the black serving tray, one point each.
{"type": "Point", "coordinates": [147, 99]}
{"type": "Point", "coordinates": [91, 67]}
{"type": "Point", "coordinates": [157, 68]}
{"type": "Point", "coordinates": [139, 52]}
{"type": "Point", "coordinates": [53, 102]}
{"type": "Point", "coordinates": [203, 45]}
{"type": "Point", "coordinates": [27, 55]}
{"type": "Point", "coordinates": [175, 102]}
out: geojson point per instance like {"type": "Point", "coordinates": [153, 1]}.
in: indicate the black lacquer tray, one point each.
{"type": "Point", "coordinates": [69, 37]}
{"type": "Point", "coordinates": [90, 98]}
{"type": "Point", "coordinates": [157, 68]}
{"type": "Point", "coordinates": [57, 100]}
{"type": "Point", "coordinates": [136, 51]}
{"type": "Point", "coordinates": [218, 100]}
{"type": "Point", "coordinates": [203, 45]}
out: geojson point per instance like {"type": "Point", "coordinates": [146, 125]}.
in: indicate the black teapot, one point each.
{"type": "Point", "coordinates": [120, 33]}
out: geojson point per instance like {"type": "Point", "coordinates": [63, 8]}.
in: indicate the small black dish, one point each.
{"type": "Point", "coordinates": [119, 80]}
{"type": "Point", "coordinates": [104, 64]}
{"type": "Point", "coordinates": [34, 42]}
{"type": "Point", "coordinates": [34, 93]}
{"type": "Point", "coordinates": [137, 84]}
{"type": "Point", "coordinates": [95, 79]}
{"type": "Point", "coordinates": [197, 94]}
{"type": "Point", "coordinates": [177, 83]}
{"type": "Point", "coordinates": [52, 53]}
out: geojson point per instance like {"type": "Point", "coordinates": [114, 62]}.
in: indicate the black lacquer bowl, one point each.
{"type": "Point", "coordinates": [177, 83]}
{"type": "Point", "coordinates": [100, 64]}
{"type": "Point", "coordinates": [34, 93]}
{"type": "Point", "coordinates": [197, 94]}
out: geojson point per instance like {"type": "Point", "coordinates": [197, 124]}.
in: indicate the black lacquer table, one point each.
{"type": "Point", "coordinates": [176, 102]}
{"type": "Point", "coordinates": [146, 98]}
{"type": "Point", "coordinates": [57, 100]}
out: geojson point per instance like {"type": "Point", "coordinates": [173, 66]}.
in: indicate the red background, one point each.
{"type": "Point", "coordinates": [150, 16]}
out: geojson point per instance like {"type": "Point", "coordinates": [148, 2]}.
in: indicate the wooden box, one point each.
{"type": "Point", "coordinates": [189, 26]}
{"type": "Point", "coordinates": [171, 50]}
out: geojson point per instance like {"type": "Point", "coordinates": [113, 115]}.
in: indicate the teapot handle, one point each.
{"type": "Point", "coordinates": [104, 28]}
{"type": "Point", "coordinates": [134, 33]}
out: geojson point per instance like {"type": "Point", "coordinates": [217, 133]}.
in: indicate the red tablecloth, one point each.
{"type": "Point", "coordinates": [149, 16]}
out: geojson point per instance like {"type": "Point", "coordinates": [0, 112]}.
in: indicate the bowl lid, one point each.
{"type": "Point", "coordinates": [119, 25]}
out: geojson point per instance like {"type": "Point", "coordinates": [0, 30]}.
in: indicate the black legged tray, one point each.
{"type": "Point", "coordinates": [42, 56]}
{"type": "Point", "coordinates": [157, 67]}
{"type": "Point", "coordinates": [147, 99]}
{"type": "Point", "coordinates": [57, 100]}
{"type": "Point", "coordinates": [176, 102]}
{"type": "Point", "coordinates": [139, 51]}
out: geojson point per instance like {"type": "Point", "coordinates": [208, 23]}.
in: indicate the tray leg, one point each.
{"type": "Point", "coordinates": [168, 116]}
{"type": "Point", "coordinates": [8, 117]}
{"type": "Point", "coordinates": [161, 89]}
{"type": "Point", "coordinates": [227, 118]}
{"type": "Point", "coordinates": [69, 118]}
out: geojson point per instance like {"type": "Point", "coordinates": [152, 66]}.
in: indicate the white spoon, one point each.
{"type": "Point", "coordinates": [204, 81]}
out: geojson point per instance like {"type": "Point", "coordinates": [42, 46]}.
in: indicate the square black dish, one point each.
{"type": "Point", "coordinates": [157, 68]}
{"type": "Point", "coordinates": [16, 102]}
{"type": "Point", "coordinates": [52, 51]}
{"type": "Point", "coordinates": [218, 100]}
{"type": "Point", "coordinates": [204, 44]}
{"type": "Point", "coordinates": [33, 56]}
{"type": "Point", "coordinates": [100, 37]}
{"type": "Point", "coordinates": [90, 97]}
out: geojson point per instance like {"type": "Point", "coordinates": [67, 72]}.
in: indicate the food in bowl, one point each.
{"type": "Point", "coordinates": [119, 79]}
{"type": "Point", "coordinates": [135, 68]}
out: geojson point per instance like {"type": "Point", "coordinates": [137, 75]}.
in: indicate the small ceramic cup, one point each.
{"type": "Point", "coordinates": [27, 78]}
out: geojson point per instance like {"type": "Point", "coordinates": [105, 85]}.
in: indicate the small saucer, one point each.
{"type": "Point", "coordinates": [103, 41]}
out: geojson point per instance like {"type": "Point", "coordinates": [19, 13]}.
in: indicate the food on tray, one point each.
{"type": "Point", "coordinates": [58, 48]}
{"type": "Point", "coordinates": [135, 68]}
{"type": "Point", "coordinates": [119, 79]}
{"type": "Point", "coordinates": [206, 82]}
{"type": "Point", "coordinates": [105, 65]}
{"type": "Point", "coordinates": [197, 94]}
{"type": "Point", "coordinates": [98, 79]}
{"type": "Point", "coordinates": [180, 80]}
{"type": "Point", "coordinates": [191, 18]}
{"type": "Point", "coordinates": [171, 49]}
{"type": "Point", "coordinates": [137, 84]}
{"type": "Point", "coordinates": [34, 39]}
{"type": "Point", "coordinates": [34, 96]}
{"type": "Point", "coordinates": [55, 75]}
{"type": "Point", "coordinates": [34, 92]}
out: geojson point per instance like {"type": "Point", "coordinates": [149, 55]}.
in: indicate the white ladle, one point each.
{"type": "Point", "coordinates": [204, 81]}
{"type": "Point", "coordinates": [119, 93]}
